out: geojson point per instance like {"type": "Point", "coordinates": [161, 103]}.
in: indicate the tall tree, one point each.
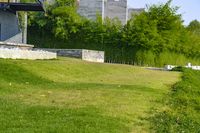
{"type": "Point", "coordinates": [194, 27]}
{"type": "Point", "coordinates": [158, 29]}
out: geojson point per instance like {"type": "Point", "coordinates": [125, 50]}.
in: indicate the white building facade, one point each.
{"type": "Point", "coordinates": [106, 8]}
{"type": "Point", "coordinates": [90, 8]}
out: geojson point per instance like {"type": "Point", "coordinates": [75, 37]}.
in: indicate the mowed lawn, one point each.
{"type": "Point", "coordinates": [72, 96]}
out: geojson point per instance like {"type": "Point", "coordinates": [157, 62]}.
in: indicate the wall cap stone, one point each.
{"type": "Point", "coordinates": [15, 44]}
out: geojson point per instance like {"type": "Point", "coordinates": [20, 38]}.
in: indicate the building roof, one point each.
{"type": "Point", "coordinates": [14, 6]}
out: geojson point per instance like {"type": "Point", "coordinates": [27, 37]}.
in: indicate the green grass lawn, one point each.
{"type": "Point", "coordinates": [72, 96]}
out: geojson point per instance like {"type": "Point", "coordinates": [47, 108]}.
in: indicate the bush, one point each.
{"type": "Point", "coordinates": [182, 112]}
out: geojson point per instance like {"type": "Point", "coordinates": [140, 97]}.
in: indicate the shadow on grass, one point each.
{"type": "Point", "coordinates": [13, 73]}
{"type": "Point", "coordinates": [16, 117]}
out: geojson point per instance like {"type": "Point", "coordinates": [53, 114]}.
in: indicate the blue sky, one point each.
{"type": "Point", "coordinates": [190, 9]}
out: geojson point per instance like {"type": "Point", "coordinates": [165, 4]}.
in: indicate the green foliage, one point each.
{"type": "Point", "coordinates": [193, 39]}
{"type": "Point", "coordinates": [66, 22]}
{"type": "Point", "coordinates": [178, 69]}
{"type": "Point", "coordinates": [70, 3]}
{"type": "Point", "coordinates": [158, 29]}
{"type": "Point", "coordinates": [27, 1]}
{"type": "Point", "coordinates": [171, 58]}
{"type": "Point", "coordinates": [182, 110]}
{"type": "Point", "coordinates": [141, 33]}
{"type": "Point", "coordinates": [194, 27]}
{"type": "Point", "coordinates": [145, 58]}
{"type": "Point", "coordinates": [153, 38]}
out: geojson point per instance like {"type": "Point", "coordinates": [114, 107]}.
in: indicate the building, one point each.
{"type": "Point", "coordinates": [116, 9]}
{"type": "Point", "coordinates": [106, 8]}
{"type": "Point", "coordinates": [9, 27]}
{"type": "Point", "coordinates": [10, 30]}
{"type": "Point", "coordinates": [90, 8]}
{"type": "Point", "coordinates": [8, 23]}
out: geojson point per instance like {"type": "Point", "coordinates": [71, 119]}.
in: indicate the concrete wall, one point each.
{"type": "Point", "coordinates": [26, 54]}
{"type": "Point", "coordinates": [9, 25]}
{"type": "Point", "coordinates": [90, 8]}
{"type": "Point", "coordinates": [77, 53]}
{"type": "Point", "coordinates": [23, 51]}
{"type": "Point", "coordinates": [9, 45]}
{"type": "Point", "coordinates": [116, 9]}
{"type": "Point", "coordinates": [93, 56]}
{"type": "Point", "coordinates": [15, 39]}
{"type": "Point", "coordinates": [88, 55]}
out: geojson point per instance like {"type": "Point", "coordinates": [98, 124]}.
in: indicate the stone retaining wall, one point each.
{"type": "Point", "coordinates": [92, 55]}
{"type": "Point", "coordinates": [10, 45]}
{"type": "Point", "coordinates": [77, 53]}
{"type": "Point", "coordinates": [26, 54]}
{"type": "Point", "coordinates": [87, 55]}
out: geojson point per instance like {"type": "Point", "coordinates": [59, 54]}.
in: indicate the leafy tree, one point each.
{"type": "Point", "coordinates": [194, 27]}
{"type": "Point", "coordinates": [141, 33]}
{"type": "Point", "coordinates": [112, 33]}
{"type": "Point", "coordinates": [60, 19]}
{"type": "Point", "coordinates": [193, 39]}
{"type": "Point", "coordinates": [157, 29]}
{"type": "Point", "coordinates": [66, 21]}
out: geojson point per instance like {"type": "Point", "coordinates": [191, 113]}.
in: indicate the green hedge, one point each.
{"type": "Point", "coordinates": [114, 53]}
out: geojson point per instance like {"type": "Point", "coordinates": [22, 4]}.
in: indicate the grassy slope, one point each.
{"type": "Point", "coordinates": [69, 95]}
{"type": "Point", "coordinates": [182, 111]}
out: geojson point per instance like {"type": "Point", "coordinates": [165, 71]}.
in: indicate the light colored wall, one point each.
{"type": "Point", "coordinates": [9, 45]}
{"type": "Point", "coordinates": [26, 54]}
{"type": "Point", "coordinates": [87, 55]}
{"type": "Point", "coordinates": [77, 53]}
{"type": "Point", "coordinates": [116, 9]}
{"type": "Point", "coordinates": [93, 56]}
{"type": "Point", "coordinates": [105, 8]}
{"type": "Point", "coordinates": [9, 25]}
{"type": "Point", "coordinates": [15, 39]}
{"type": "Point", "coordinates": [90, 8]}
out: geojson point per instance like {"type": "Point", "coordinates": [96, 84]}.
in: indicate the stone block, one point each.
{"type": "Point", "coordinates": [26, 54]}
{"type": "Point", "coordinates": [93, 56]}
